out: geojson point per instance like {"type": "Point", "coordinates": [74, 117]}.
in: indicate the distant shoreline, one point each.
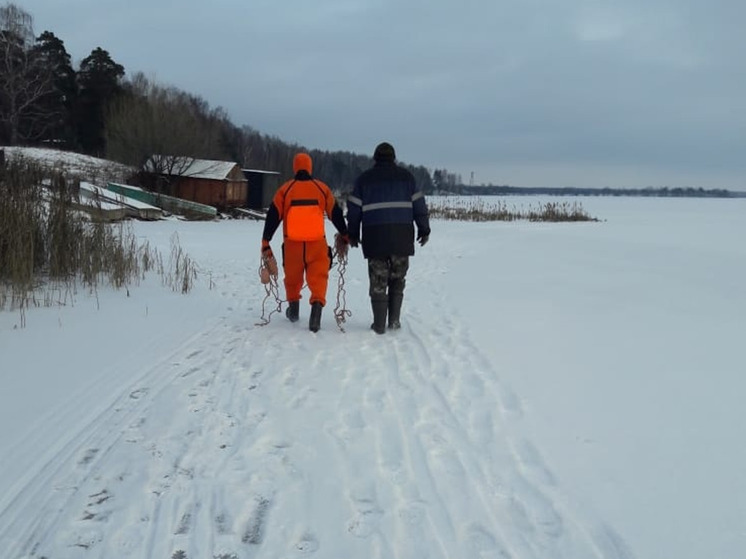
{"type": "Point", "coordinates": [687, 192]}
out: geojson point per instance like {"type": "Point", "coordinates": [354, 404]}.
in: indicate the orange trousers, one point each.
{"type": "Point", "coordinates": [310, 258]}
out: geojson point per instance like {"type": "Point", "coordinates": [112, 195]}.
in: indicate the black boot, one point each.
{"type": "Point", "coordinates": [314, 322]}
{"type": "Point", "coordinates": [293, 311]}
{"type": "Point", "coordinates": [380, 308]}
{"type": "Point", "coordinates": [395, 300]}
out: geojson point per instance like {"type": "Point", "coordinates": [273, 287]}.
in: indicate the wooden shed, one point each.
{"type": "Point", "coordinates": [262, 187]}
{"type": "Point", "coordinates": [221, 184]}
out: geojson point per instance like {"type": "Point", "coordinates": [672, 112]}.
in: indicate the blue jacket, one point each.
{"type": "Point", "coordinates": [387, 204]}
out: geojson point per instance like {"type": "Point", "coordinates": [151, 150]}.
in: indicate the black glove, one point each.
{"type": "Point", "coordinates": [354, 242]}
{"type": "Point", "coordinates": [341, 244]}
{"type": "Point", "coordinates": [422, 239]}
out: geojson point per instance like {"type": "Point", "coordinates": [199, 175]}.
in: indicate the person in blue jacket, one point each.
{"type": "Point", "coordinates": [387, 204]}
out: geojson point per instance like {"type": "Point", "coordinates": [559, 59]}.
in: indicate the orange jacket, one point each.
{"type": "Point", "coordinates": [301, 204]}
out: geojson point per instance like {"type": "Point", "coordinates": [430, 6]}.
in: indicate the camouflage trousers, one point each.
{"type": "Point", "coordinates": [387, 275]}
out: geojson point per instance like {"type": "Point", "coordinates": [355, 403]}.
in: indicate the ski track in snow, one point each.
{"type": "Point", "coordinates": [213, 453]}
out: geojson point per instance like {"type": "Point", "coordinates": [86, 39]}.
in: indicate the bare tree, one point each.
{"type": "Point", "coordinates": [24, 80]}
{"type": "Point", "coordinates": [162, 127]}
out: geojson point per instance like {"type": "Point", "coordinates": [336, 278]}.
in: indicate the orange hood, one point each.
{"type": "Point", "coordinates": [302, 162]}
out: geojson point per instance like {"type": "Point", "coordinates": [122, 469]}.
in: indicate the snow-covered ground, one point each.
{"type": "Point", "coordinates": [75, 164]}
{"type": "Point", "coordinates": [556, 391]}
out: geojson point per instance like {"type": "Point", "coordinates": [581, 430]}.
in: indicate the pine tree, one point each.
{"type": "Point", "coordinates": [58, 105]}
{"type": "Point", "coordinates": [99, 80]}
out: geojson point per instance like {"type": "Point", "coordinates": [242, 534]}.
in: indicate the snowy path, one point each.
{"type": "Point", "coordinates": [214, 453]}
{"type": "Point", "coordinates": [249, 442]}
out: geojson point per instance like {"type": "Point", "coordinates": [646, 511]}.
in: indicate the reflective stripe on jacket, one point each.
{"type": "Point", "coordinates": [386, 204]}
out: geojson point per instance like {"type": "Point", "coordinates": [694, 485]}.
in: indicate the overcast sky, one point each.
{"type": "Point", "coordinates": [629, 93]}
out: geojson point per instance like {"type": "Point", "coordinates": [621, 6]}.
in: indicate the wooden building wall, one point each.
{"type": "Point", "coordinates": [222, 194]}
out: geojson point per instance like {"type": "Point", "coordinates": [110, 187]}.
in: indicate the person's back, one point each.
{"type": "Point", "coordinates": [387, 205]}
{"type": "Point", "coordinates": [300, 205]}
{"type": "Point", "coordinates": [303, 202]}
{"type": "Point", "coordinates": [386, 194]}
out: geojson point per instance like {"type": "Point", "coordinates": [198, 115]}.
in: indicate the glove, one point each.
{"type": "Point", "coordinates": [341, 242]}
{"type": "Point", "coordinates": [354, 242]}
{"type": "Point", "coordinates": [422, 239]}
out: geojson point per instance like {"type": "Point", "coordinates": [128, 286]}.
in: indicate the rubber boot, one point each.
{"type": "Point", "coordinates": [395, 300]}
{"type": "Point", "coordinates": [380, 308]}
{"type": "Point", "coordinates": [293, 311]}
{"type": "Point", "coordinates": [314, 321]}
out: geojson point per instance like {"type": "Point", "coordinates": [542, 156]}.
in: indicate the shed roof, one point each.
{"type": "Point", "coordinates": [190, 167]}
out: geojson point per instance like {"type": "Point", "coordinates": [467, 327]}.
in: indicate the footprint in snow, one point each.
{"type": "Point", "coordinates": [307, 544]}
{"type": "Point", "coordinates": [88, 457]}
{"type": "Point", "coordinates": [139, 393]}
{"type": "Point", "coordinates": [367, 514]}
{"type": "Point", "coordinates": [484, 542]}
{"type": "Point", "coordinates": [254, 532]}
{"type": "Point", "coordinates": [189, 372]}
{"type": "Point", "coordinates": [365, 521]}
{"type": "Point", "coordinates": [185, 524]}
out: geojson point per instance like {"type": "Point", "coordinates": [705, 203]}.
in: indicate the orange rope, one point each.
{"type": "Point", "coordinates": [269, 277]}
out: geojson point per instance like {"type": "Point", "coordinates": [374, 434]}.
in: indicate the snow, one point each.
{"type": "Point", "coordinates": [83, 166]}
{"type": "Point", "coordinates": [556, 390]}
{"type": "Point", "coordinates": [194, 168]}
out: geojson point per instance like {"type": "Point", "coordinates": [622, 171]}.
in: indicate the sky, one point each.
{"type": "Point", "coordinates": [585, 93]}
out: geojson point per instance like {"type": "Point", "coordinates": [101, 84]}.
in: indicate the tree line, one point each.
{"type": "Point", "coordinates": [98, 110]}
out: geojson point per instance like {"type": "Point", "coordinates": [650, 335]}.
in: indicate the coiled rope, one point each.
{"type": "Point", "coordinates": [341, 313]}
{"type": "Point", "coordinates": [269, 277]}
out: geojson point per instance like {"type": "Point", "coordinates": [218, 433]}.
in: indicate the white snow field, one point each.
{"type": "Point", "coordinates": [556, 391]}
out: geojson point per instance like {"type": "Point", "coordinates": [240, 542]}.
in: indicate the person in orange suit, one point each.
{"type": "Point", "coordinates": [300, 205]}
